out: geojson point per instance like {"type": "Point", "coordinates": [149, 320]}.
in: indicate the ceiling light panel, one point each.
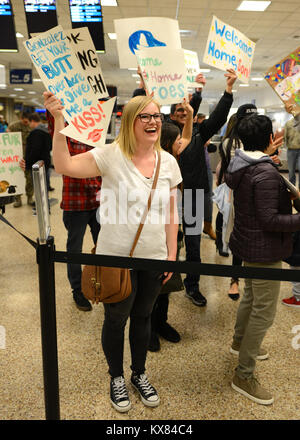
{"type": "Point", "coordinates": [257, 6]}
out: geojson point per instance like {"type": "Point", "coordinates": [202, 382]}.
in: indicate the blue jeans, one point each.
{"type": "Point", "coordinates": [293, 157]}
{"type": "Point", "coordinates": [76, 223]}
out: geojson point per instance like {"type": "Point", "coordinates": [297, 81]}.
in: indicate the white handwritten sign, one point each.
{"type": "Point", "coordinates": [99, 119]}
{"type": "Point", "coordinates": [192, 67]}
{"type": "Point", "coordinates": [83, 45]}
{"type": "Point", "coordinates": [62, 74]}
{"type": "Point", "coordinates": [134, 34]}
{"type": "Point", "coordinates": [12, 180]}
{"type": "Point", "coordinates": [164, 73]}
{"type": "Point", "coordinates": [227, 48]}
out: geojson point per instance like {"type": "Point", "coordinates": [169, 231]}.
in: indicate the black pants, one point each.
{"type": "Point", "coordinates": [192, 248]}
{"type": "Point", "coordinates": [146, 286]}
{"type": "Point", "coordinates": [76, 223]}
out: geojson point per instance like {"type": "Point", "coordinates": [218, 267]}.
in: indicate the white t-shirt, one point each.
{"type": "Point", "coordinates": [124, 196]}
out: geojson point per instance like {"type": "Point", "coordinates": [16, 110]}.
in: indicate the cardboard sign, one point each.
{"type": "Point", "coordinates": [228, 48]}
{"type": "Point", "coordinates": [164, 73]}
{"type": "Point", "coordinates": [192, 68]}
{"type": "Point", "coordinates": [12, 181]}
{"type": "Point", "coordinates": [96, 137]}
{"type": "Point", "coordinates": [62, 74]}
{"type": "Point", "coordinates": [284, 78]}
{"type": "Point", "coordinates": [134, 34]}
{"type": "Point", "coordinates": [83, 45]}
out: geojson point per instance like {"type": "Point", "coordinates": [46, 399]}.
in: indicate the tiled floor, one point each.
{"type": "Point", "coordinates": [193, 377]}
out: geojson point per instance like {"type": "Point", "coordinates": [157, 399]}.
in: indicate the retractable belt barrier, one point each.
{"type": "Point", "coordinates": [47, 256]}
{"type": "Point", "coordinates": [217, 270]}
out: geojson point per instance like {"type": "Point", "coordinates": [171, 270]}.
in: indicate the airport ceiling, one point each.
{"type": "Point", "coordinates": [276, 32]}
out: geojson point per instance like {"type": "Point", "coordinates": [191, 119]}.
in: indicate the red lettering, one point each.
{"type": "Point", "coordinates": [101, 110]}
{"type": "Point", "coordinates": [77, 126]}
{"type": "Point", "coordinates": [95, 112]}
{"type": "Point", "coordinates": [88, 118]}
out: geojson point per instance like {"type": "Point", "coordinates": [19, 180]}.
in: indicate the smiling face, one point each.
{"type": "Point", "coordinates": [179, 114]}
{"type": "Point", "coordinates": [147, 133]}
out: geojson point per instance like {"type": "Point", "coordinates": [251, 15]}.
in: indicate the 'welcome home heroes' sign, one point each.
{"type": "Point", "coordinates": [228, 48]}
{"type": "Point", "coordinates": [62, 74]}
{"type": "Point", "coordinates": [164, 73]}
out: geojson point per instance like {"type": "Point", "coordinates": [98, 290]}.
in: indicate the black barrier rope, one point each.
{"type": "Point", "coordinates": [30, 241]}
{"type": "Point", "coordinates": [218, 270]}
{"type": "Point", "coordinates": [47, 256]}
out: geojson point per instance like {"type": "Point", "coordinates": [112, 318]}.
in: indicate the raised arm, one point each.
{"type": "Point", "coordinates": [171, 229]}
{"type": "Point", "coordinates": [188, 127]}
{"type": "Point", "coordinates": [81, 165]}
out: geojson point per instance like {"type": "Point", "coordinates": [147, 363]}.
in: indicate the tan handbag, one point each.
{"type": "Point", "coordinates": [113, 284]}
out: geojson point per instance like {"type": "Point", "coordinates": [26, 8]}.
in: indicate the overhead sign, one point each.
{"type": "Point", "coordinates": [12, 181]}
{"type": "Point", "coordinates": [284, 78]}
{"type": "Point", "coordinates": [82, 43]}
{"type": "Point", "coordinates": [89, 13]}
{"type": "Point", "coordinates": [20, 76]}
{"type": "Point", "coordinates": [134, 34]}
{"type": "Point", "coordinates": [40, 15]}
{"type": "Point", "coordinates": [63, 75]}
{"type": "Point", "coordinates": [164, 73]}
{"type": "Point", "coordinates": [8, 39]}
{"type": "Point", "coordinates": [228, 48]}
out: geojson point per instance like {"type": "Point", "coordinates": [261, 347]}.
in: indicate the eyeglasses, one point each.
{"type": "Point", "coordinates": [146, 117]}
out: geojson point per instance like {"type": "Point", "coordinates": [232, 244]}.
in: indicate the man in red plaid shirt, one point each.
{"type": "Point", "coordinates": [80, 202]}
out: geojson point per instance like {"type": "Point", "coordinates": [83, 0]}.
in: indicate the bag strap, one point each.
{"type": "Point", "coordinates": [147, 207]}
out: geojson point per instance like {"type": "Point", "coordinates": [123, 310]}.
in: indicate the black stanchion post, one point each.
{"type": "Point", "coordinates": [45, 261]}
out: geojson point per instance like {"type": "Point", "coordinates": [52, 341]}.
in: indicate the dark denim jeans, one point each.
{"type": "Point", "coordinates": [146, 286]}
{"type": "Point", "coordinates": [76, 223]}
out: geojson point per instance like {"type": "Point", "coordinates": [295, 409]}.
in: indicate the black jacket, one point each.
{"type": "Point", "coordinates": [192, 160]}
{"type": "Point", "coordinates": [263, 219]}
{"type": "Point", "coordinates": [38, 147]}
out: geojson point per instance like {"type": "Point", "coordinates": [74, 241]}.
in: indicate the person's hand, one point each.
{"type": "Point", "coordinates": [22, 164]}
{"type": "Point", "coordinates": [289, 108]}
{"type": "Point", "coordinates": [293, 197]}
{"type": "Point", "coordinates": [200, 78]}
{"type": "Point", "coordinates": [187, 107]}
{"type": "Point", "coordinates": [231, 78]}
{"type": "Point", "coordinates": [274, 145]}
{"type": "Point", "coordinates": [167, 275]}
{"type": "Point", "coordinates": [53, 104]}
{"type": "Point", "coordinates": [276, 159]}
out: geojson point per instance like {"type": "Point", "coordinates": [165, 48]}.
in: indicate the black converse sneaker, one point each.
{"type": "Point", "coordinates": [118, 394]}
{"type": "Point", "coordinates": [147, 392]}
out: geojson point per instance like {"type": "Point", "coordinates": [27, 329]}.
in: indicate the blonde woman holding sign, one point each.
{"type": "Point", "coordinates": [128, 166]}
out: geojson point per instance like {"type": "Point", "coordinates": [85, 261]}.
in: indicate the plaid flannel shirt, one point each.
{"type": "Point", "coordinates": [78, 194]}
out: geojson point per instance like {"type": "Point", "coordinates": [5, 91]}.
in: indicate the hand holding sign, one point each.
{"type": "Point", "coordinates": [98, 117]}
{"type": "Point", "coordinates": [231, 78]}
{"type": "Point", "coordinates": [284, 78]}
